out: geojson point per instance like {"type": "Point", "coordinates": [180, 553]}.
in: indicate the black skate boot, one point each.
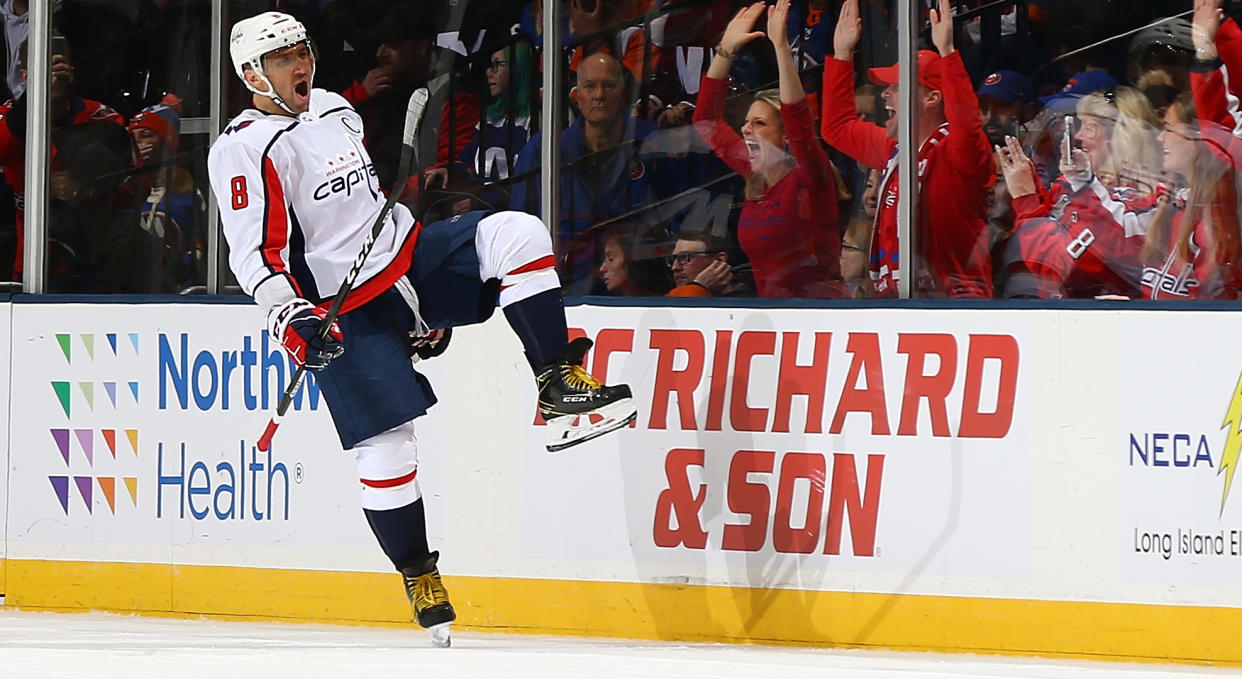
{"type": "Point", "coordinates": [429, 598]}
{"type": "Point", "coordinates": [575, 405]}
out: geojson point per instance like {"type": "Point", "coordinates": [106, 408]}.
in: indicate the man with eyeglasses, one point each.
{"type": "Point", "coordinates": [700, 266]}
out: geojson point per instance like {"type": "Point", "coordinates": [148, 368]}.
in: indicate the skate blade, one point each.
{"type": "Point", "coordinates": [570, 430]}
{"type": "Point", "coordinates": [441, 635]}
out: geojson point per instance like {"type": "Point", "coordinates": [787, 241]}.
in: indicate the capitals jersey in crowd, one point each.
{"type": "Point", "coordinates": [1081, 242]}
{"type": "Point", "coordinates": [297, 197]}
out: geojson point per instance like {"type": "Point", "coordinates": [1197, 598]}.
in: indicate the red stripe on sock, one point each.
{"type": "Point", "coordinates": [542, 263]}
{"type": "Point", "coordinates": [391, 483]}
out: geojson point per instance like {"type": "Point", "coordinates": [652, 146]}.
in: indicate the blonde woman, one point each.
{"type": "Point", "coordinates": [1082, 236]}
{"type": "Point", "coordinates": [789, 223]}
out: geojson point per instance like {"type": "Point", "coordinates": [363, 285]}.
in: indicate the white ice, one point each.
{"type": "Point", "coordinates": [96, 645]}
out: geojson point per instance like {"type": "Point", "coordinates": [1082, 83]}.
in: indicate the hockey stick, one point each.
{"type": "Point", "coordinates": [413, 117]}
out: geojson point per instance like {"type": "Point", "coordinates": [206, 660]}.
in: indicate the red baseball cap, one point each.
{"type": "Point", "coordinates": [929, 71]}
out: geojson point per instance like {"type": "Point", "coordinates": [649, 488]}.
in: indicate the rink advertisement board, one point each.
{"type": "Point", "coordinates": [1178, 452]}
{"type": "Point", "coordinates": [135, 438]}
{"type": "Point", "coordinates": [6, 344]}
{"type": "Point", "coordinates": [1014, 480]}
{"type": "Point", "coordinates": [797, 450]}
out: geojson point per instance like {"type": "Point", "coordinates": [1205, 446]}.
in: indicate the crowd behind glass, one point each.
{"type": "Point", "coordinates": [1066, 149]}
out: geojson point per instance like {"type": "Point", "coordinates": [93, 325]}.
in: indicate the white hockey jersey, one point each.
{"type": "Point", "coordinates": [297, 197]}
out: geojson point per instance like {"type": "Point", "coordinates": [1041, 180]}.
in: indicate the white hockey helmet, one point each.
{"type": "Point", "coordinates": [260, 34]}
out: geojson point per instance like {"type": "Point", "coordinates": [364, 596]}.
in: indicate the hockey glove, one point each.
{"type": "Point", "coordinates": [432, 344]}
{"type": "Point", "coordinates": [296, 324]}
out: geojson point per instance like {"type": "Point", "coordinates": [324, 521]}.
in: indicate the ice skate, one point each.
{"type": "Point", "coordinates": [575, 405]}
{"type": "Point", "coordinates": [429, 599]}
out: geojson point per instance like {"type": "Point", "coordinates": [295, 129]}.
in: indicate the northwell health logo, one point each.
{"type": "Point", "coordinates": [90, 443]}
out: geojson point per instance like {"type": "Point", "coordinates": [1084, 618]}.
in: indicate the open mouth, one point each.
{"type": "Point", "coordinates": [752, 147]}
{"type": "Point", "coordinates": [302, 89]}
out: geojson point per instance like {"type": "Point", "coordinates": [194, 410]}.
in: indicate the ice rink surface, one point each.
{"type": "Point", "coordinates": [94, 645]}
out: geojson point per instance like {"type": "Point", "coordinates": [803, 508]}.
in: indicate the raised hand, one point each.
{"type": "Point", "coordinates": [942, 28]}
{"type": "Point", "coordinates": [741, 29]}
{"type": "Point", "coordinates": [717, 277]}
{"type": "Point", "coordinates": [1206, 21]}
{"type": "Point", "coordinates": [848, 32]}
{"type": "Point", "coordinates": [1016, 167]}
{"type": "Point", "coordinates": [778, 25]}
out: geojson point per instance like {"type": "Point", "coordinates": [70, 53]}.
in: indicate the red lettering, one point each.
{"type": "Point", "coordinates": [679, 500]}
{"type": "Point", "coordinates": [720, 375]}
{"type": "Point", "coordinates": [935, 388]}
{"type": "Point", "coordinates": [608, 342]}
{"type": "Point", "coordinates": [844, 499]}
{"type": "Point", "coordinates": [749, 344]}
{"type": "Point", "coordinates": [802, 380]}
{"type": "Point", "coordinates": [682, 382]}
{"type": "Point", "coordinates": [748, 498]}
{"type": "Point", "coordinates": [865, 348]}
{"type": "Point", "coordinates": [994, 425]}
{"type": "Point", "coordinates": [785, 537]}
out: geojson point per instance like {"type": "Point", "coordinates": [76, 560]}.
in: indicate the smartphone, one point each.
{"type": "Point", "coordinates": [59, 44]}
{"type": "Point", "coordinates": [1067, 139]}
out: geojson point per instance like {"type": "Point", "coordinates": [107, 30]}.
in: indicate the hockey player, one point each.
{"type": "Point", "coordinates": [298, 195]}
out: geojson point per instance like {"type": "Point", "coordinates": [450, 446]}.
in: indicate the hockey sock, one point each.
{"type": "Point", "coordinates": [539, 321]}
{"type": "Point", "coordinates": [402, 532]}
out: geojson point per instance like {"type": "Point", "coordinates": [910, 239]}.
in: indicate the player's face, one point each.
{"type": "Point", "coordinates": [498, 74]}
{"type": "Point", "coordinates": [1179, 145]}
{"type": "Point", "coordinates": [148, 144]}
{"type": "Point", "coordinates": [764, 134]}
{"type": "Point", "coordinates": [613, 270]}
{"type": "Point", "coordinates": [290, 70]}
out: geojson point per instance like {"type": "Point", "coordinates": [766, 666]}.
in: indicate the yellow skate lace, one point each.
{"type": "Point", "coordinates": [427, 590]}
{"type": "Point", "coordinates": [578, 378]}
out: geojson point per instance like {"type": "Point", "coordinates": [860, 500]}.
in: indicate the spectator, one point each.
{"type": "Point", "coordinates": [1045, 148]}
{"type": "Point", "coordinates": [601, 26]}
{"type": "Point", "coordinates": [1158, 87]}
{"type": "Point", "coordinates": [950, 236]}
{"type": "Point", "coordinates": [700, 266]}
{"type": "Point", "coordinates": [810, 30]}
{"type": "Point", "coordinates": [1006, 104]}
{"type": "Point", "coordinates": [1192, 249]}
{"type": "Point", "coordinates": [1166, 46]}
{"type": "Point", "coordinates": [602, 173]}
{"type": "Point", "coordinates": [1118, 129]}
{"type": "Point", "coordinates": [856, 242]}
{"type": "Point", "coordinates": [165, 252]}
{"type": "Point", "coordinates": [789, 226]}
{"type": "Point", "coordinates": [1082, 236]}
{"type": "Point", "coordinates": [404, 61]}
{"type": "Point", "coordinates": [85, 145]}
{"type": "Point", "coordinates": [627, 270]}
{"type": "Point", "coordinates": [505, 125]}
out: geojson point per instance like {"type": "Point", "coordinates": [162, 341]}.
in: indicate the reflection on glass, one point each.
{"type": "Point", "coordinates": [955, 171]}
{"type": "Point", "coordinates": [1119, 180]}
{"type": "Point", "coordinates": [127, 213]}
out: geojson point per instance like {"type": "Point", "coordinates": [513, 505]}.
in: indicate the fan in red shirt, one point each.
{"type": "Point", "coordinates": [954, 161]}
{"type": "Point", "coordinates": [66, 259]}
{"type": "Point", "coordinates": [788, 227]}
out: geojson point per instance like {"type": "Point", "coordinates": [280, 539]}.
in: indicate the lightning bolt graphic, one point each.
{"type": "Point", "coordinates": [1233, 442]}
